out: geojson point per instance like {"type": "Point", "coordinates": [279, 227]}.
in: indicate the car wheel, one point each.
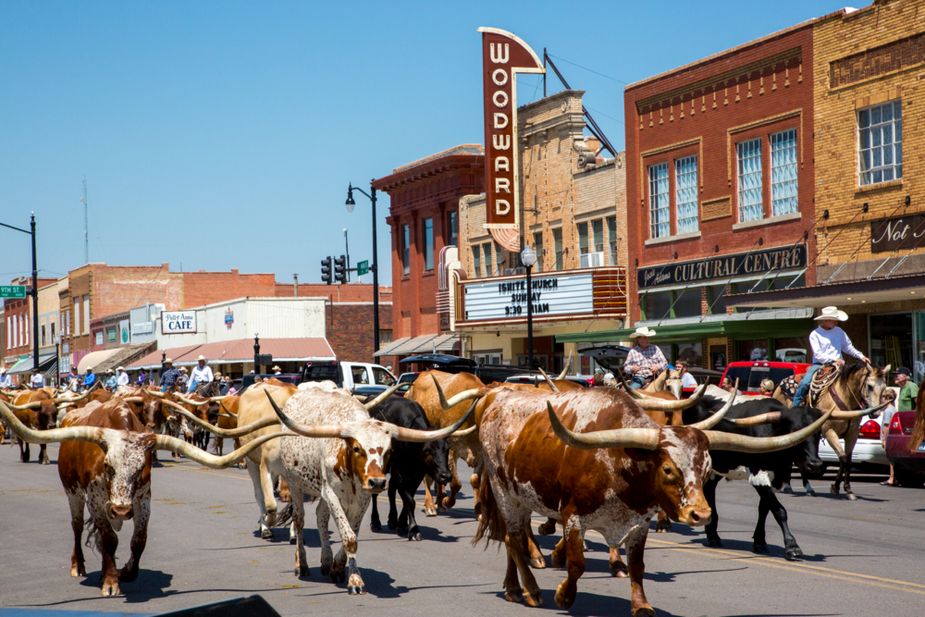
{"type": "Point", "coordinates": [909, 478]}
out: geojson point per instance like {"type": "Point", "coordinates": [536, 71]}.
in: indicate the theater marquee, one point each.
{"type": "Point", "coordinates": [503, 56]}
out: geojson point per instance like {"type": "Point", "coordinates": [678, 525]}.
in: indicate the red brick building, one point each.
{"type": "Point", "coordinates": [424, 217]}
{"type": "Point", "coordinates": [720, 186]}
{"type": "Point", "coordinates": [17, 324]}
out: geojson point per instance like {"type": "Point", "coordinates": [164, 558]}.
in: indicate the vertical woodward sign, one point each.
{"type": "Point", "coordinates": [503, 56]}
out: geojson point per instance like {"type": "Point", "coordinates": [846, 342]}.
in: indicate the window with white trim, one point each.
{"type": "Point", "coordinates": [659, 223]}
{"type": "Point", "coordinates": [476, 260]}
{"type": "Point", "coordinates": [428, 232]}
{"type": "Point", "coordinates": [406, 249]}
{"type": "Point", "coordinates": [751, 205]}
{"type": "Point", "coordinates": [784, 173]}
{"type": "Point", "coordinates": [685, 180]}
{"type": "Point", "coordinates": [880, 143]}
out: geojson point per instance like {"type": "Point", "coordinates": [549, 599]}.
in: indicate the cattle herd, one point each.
{"type": "Point", "coordinates": [604, 459]}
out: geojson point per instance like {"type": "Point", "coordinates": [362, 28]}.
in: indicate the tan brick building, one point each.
{"type": "Point", "coordinates": [573, 205]}
{"type": "Point", "coordinates": [870, 186]}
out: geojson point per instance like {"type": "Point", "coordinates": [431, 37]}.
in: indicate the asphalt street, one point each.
{"type": "Point", "coordinates": [862, 558]}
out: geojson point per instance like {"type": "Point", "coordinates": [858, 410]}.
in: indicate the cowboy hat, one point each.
{"type": "Point", "coordinates": [168, 360]}
{"type": "Point", "coordinates": [2, 370]}
{"type": "Point", "coordinates": [183, 369]}
{"type": "Point", "coordinates": [276, 368]}
{"type": "Point", "coordinates": [201, 357]}
{"type": "Point", "coordinates": [832, 313]}
{"type": "Point", "coordinates": [642, 331]}
{"type": "Point", "coordinates": [120, 368]}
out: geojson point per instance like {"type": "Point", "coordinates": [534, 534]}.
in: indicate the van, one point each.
{"type": "Point", "coordinates": [351, 375]}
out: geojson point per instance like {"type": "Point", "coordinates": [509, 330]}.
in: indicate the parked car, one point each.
{"type": "Point", "coordinates": [908, 467]}
{"type": "Point", "coordinates": [351, 375]}
{"type": "Point", "coordinates": [751, 373]}
{"type": "Point", "coordinates": [790, 354]}
{"type": "Point", "coordinates": [868, 451]}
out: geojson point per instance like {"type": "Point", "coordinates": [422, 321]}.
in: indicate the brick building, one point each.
{"type": "Point", "coordinates": [870, 198]}
{"type": "Point", "coordinates": [572, 215]}
{"type": "Point", "coordinates": [720, 186]}
{"type": "Point", "coordinates": [424, 217]}
{"type": "Point", "coordinates": [17, 326]}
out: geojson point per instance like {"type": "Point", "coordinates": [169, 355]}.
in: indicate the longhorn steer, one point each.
{"type": "Point", "coordinates": [767, 471]}
{"type": "Point", "coordinates": [105, 463]}
{"type": "Point", "coordinates": [409, 462]}
{"type": "Point", "coordinates": [615, 490]}
{"type": "Point", "coordinates": [342, 467]}
{"type": "Point", "coordinates": [36, 409]}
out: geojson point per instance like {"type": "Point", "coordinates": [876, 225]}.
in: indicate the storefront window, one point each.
{"type": "Point", "coordinates": [687, 302]}
{"type": "Point", "coordinates": [715, 299]}
{"type": "Point", "coordinates": [657, 304]}
{"type": "Point", "coordinates": [891, 340]}
{"type": "Point", "coordinates": [918, 366]}
{"type": "Point", "coordinates": [690, 353]}
{"type": "Point", "coordinates": [755, 349]}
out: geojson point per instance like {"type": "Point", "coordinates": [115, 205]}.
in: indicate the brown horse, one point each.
{"type": "Point", "coordinates": [856, 387]}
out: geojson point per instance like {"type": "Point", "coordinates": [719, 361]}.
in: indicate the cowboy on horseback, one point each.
{"type": "Point", "coordinates": [828, 342]}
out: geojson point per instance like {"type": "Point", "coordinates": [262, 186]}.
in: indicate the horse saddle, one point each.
{"type": "Point", "coordinates": [822, 380]}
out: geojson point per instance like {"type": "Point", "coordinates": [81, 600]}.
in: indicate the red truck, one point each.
{"type": "Point", "coordinates": [750, 373]}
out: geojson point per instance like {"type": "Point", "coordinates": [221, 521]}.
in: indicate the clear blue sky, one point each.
{"type": "Point", "coordinates": [223, 134]}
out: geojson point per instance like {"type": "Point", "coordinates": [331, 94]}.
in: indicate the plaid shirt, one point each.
{"type": "Point", "coordinates": [647, 360]}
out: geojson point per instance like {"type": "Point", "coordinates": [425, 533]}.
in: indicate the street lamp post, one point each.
{"type": "Point", "coordinates": [35, 289]}
{"type": "Point", "coordinates": [528, 259]}
{"type": "Point", "coordinates": [350, 203]}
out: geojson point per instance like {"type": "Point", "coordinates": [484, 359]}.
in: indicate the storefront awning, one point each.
{"type": "Point", "coordinates": [25, 365]}
{"type": "Point", "coordinates": [94, 360]}
{"type": "Point", "coordinates": [427, 343]}
{"type": "Point", "coordinates": [755, 324]}
{"type": "Point", "coordinates": [240, 351]}
{"type": "Point", "coordinates": [853, 292]}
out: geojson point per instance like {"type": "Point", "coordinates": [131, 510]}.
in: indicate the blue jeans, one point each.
{"type": "Point", "coordinates": [636, 382]}
{"type": "Point", "coordinates": [803, 388]}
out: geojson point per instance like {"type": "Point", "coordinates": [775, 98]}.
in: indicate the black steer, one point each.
{"type": "Point", "coordinates": [766, 472]}
{"type": "Point", "coordinates": [408, 465]}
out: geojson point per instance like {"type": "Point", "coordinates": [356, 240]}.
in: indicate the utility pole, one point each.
{"type": "Point", "coordinates": [35, 298]}
{"type": "Point", "coordinates": [83, 200]}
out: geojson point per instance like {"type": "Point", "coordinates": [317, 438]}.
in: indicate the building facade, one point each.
{"type": "Point", "coordinates": [424, 218]}
{"type": "Point", "coordinates": [573, 217]}
{"type": "Point", "coordinates": [870, 200]}
{"type": "Point", "coordinates": [720, 186]}
{"type": "Point", "coordinates": [17, 324]}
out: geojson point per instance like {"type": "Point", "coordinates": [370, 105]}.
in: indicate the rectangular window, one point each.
{"type": "Point", "coordinates": [500, 260]}
{"type": "Point", "coordinates": [53, 332]}
{"type": "Point", "coordinates": [452, 228]}
{"type": "Point", "coordinates": [406, 249]}
{"type": "Point", "coordinates": [784, 173]}
{"type": "Point", "coordinates": [86, 314]}
{"type": "Point", "coordinates": [612, 240]}
{"type": "Point", "coordinates": [9, 332]}
{"type": "Point", "coordinates": [880, 143]}
{"type": "Point", "coordinates": [751, 207]}
{"type": "Point", "coordinates": [428, 232]}
{"type": "Point", "coordinates": [538, 247]}
{"type": "Point", "coordinates": [43, 343]}
{"type": "Point", "coordinates": [659, 224]}
{"type": "Point", "coordinates": [77, 316]}
{"type": "Point", "coordinates": [685, 180]}
{"type": "Point", "coordinates": [557, 246]}
{"type": "Point", "coordinates": [111, 334]}
{"type": "Point", "coordinates": [597, 226]}
{"type": "Point", "coordinates": [476, 261]}
{"type": "Point", "coordinates": [489, 259]}
{"type": "Point", "coordinates": [583, 238]}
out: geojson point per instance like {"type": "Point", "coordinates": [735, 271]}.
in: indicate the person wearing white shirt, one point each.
{"type": "Point", "coordinates": [828, 342]}
{"type": "Point", "coordinates": [37, 380]}
{"type": "Point", "coordinates": [202, 374]}
{"type": "Point", "coordinates": [687, 380]}
{"type": "Point", "coordinates": [121, 377]}
{"type": "Point", "coordinates": [5, 381]}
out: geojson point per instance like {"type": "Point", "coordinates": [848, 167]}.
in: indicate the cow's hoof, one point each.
{"type": "Point", "coordinates": [415, 536]}
{"type": "Point", "coordinates": [564, 599]}
{"type": "Point", "coordinates": [128, 574]}
{"type": "Point", "coordinates": [547, 528]}
{"type": "Point", "coordinates": [448, 502]}
{"type": "Point", "coordinates": [430, 511]}
{"type": "Point", "coordinates": [618, 569]}
{"type": "Point", "coordinates": [787, 489]}
{"type": "Point", "coordinates": [46, 461]}
{"type": "Point", "coordinates": [375, 526]}
{"type": "Point", "coordinates": [325, 569]}
{"type": "Point", "coordinates": [266, 533]}
{"type": "Point", "coordinates": [810, 492]}
{"type": "Point", "coordinates": [793, 553]}
{"type": "Point", "coordinates": [514, 596]}
{"type": "Point", "coordinates": [538, 563]}
{"type": "Point", "coordinates": [663, 526]}
{"type": "Point", "coordinates": [533, 598]}
{"type": "Point", "coordinates": [355, 585]}
{"type": "Point", "coordinates": [833, 489]}
{"type": "Point", "coordinates": [644, 611]}
{"type": "Point", "coordinates": [111, 588]}
{"type": "Point", "coordinates": [301, 571]}
{"type": "Point", "coordinates": [851, 496]}
{"type": "Point", "coordinates": [714, 543]}
{"type": "Point", "coordinates": [78, 570]}
{"type": "Point", "coordinates": [759, 547]}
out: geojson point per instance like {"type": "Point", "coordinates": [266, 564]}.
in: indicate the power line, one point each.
{"type": "Point", "coordinates": [590, 70]}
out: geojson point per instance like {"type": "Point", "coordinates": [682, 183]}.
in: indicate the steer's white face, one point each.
{"type": "Point", "coordinates": [127, 466]}
{"type": "Point", "coordinates": [369, 448]}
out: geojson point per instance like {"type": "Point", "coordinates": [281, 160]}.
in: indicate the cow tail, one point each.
{"type": "Point", "coordinates": [491, 523]}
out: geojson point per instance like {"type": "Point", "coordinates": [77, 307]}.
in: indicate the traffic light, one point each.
{"type": "Point", "coordinates": [326, 270]}
{"type": "Point", "coordinates": [340, 269]}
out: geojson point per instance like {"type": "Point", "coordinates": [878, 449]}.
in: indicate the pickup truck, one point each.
{"type": "Point", "coordinates": [351, 375]}
{"type": "Point", "coordinates": [750, 373]}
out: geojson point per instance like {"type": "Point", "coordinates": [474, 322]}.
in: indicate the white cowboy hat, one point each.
{"type": "Point", "coordinates": [168, 360]}
{"type": "Point", "coordinates": [201, 357]}
{"type": "Point", "coordinates": [832, 312]}
{"type": "Point", "coordinates": [276, 368]}
{"type": "Point", "coordinates": [120, 368]}
{"type": "Point", "coordinates": [642, 331]}
{"type": "Point", "coordinates": [2, 370]}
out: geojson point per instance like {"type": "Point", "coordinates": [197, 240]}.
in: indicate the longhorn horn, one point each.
{"type": "Point", "coordinates": [190, 401]}
{"type": "Point", "coordinates": [552, 386]}
{"type": "Point", "coordinates": [78, 433]}
{"type": "Point", "coordinates": [329, 431]}
{"type": "Point", "coordinates": [134, 399]}
{"type": "Point", "coordinates": [566, 366]}
{"type": "Point", "coordinates": [655, 404]}
{"type": "Point", "coordinates": [713, 420]}
{"type": "Point", "coordinates": [370, 405]}
{"type": "Point", "coordinates": [222, 432]}
{"type": "Point", "coordinates": [857, 413]}
{"type": "Point", "coordinates": [32, 405]}
{"type": "Point", "coordinates": [410, 434]}
{"type": "Point", "coordinates": [720, 440]}
{"type": "Point", "coordinates": [772, 417]}
{"type": "Point", "coordinates": [217, 399]}
{"type": "Point", "coordinates": [157, 394]}
{"type": "Point", "coordinates": [465, 395]}
{"type": "Point", "coordinates": [644, 438]}
{"type": "Point", "coordinates": [172, 444]}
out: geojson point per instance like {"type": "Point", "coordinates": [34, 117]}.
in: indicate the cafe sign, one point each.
{"type": "Point", "coordinates": [723, 267]}
{"type": "Point", "coordinates": [178, 322]}
{"type": "Point", "coordinates": [897, 234]}
{"type": "Point", "coordinates": [499, 299]}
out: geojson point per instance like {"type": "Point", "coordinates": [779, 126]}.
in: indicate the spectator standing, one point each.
{"type": "Point", "coordinates": [889, 397]}
{"type": "Point", "coordinates": [5, 381]}
{"type": "Point", "coordinates": [142, 379]}
{"type": "Point", "coordinates": [37, 380]}
{"type": "Point", "coordinates": [121, 377]}
{"type": "Point", "coordinates": [908, 391]}
{"type": "Point", "coordinates": [687, 380]}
